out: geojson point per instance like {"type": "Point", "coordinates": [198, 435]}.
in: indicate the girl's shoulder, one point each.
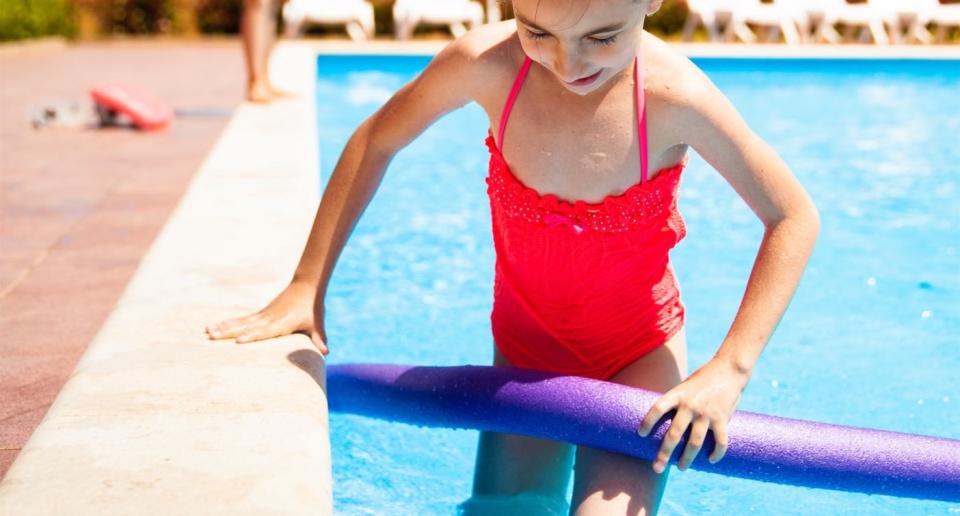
{"type": "Point", "coordinates": [487, 59]}
{"type": "Point", "coordinates": [671, 77]}
{"type": "Point", "coordinates": [677, 90]}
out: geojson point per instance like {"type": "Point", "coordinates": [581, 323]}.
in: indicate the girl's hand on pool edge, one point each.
{"type": "Point", "coordinates": [707, 399]}
{"type": "Point", "coordinates": [292, 311]}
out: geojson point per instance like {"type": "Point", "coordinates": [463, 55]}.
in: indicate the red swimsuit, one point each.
{"type": "Point", "coordinates": [583, 288]}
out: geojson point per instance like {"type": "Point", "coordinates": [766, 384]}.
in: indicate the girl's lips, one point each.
{"type": "Point", "coordinates": [585, 80]}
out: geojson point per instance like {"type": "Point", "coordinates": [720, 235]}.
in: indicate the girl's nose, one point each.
{"type": "Point", "coordinates": [566, 63]}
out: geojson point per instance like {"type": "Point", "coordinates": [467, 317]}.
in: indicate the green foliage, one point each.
{"type": "Point", "coordinates": [219, 16]}
{"type": "Point", "coordinates": [20, 19]}
{"type": "Point", "coordinates": [135, 16]}
{"type": "Point", "coordinates": [669, 19]}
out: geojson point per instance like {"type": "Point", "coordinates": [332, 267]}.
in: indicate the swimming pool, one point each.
{"type": "Point", "coordinates": [870, 338]}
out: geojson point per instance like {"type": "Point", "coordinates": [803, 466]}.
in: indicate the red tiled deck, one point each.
{"type": "Point", "coordinates": [78, 209]}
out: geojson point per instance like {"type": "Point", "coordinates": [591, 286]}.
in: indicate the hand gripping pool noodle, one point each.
{"type": "Point", "coordinates": [605, 415]}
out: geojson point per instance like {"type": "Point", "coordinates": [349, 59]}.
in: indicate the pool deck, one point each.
{"type": "Point", "coordinates": [80, 208]}
{"type": "Point", "coordinates": [120, 248]}
{"type": "Point", "coordinates": [117, 247]}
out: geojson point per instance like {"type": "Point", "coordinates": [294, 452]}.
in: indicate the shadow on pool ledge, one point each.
{"type": "Point", "coordinates": [312, 363]}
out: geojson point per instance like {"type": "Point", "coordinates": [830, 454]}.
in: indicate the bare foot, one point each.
{"type": "Point", "coordinates": [259, 93]}
{"type": "Point", "coordinates": [281, 94]}
{"type": "Point", "coordinates": [266, 93]}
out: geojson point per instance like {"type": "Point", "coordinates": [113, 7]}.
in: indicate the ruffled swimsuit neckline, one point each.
{"type": "Point", "coordinates": [551, 199]}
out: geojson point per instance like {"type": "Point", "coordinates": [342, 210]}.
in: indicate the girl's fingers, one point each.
{"type": "Point", "coordinates": [319, 343]}
{"type": "Point", "coordinates": [720, 449]}
{"type": "Point", "coordinates": [238, 329]}
{"type": "Point", "coordinates": [698, 434]}
{"type": "Point", "coordinates": [660, 407]}
{"type": "Point", "coordinates": [231, 327]}
{"type": "Point", "coordinates": [256, 332]}
{"type": "Point", "coordinates": [677, 427]}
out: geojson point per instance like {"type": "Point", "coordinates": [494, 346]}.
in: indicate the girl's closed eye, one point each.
{"type": "Point", "coordinates": [604, 41]}
{"type": "Point", "coordinates": [607, 41]}
{"type": "Point", "coordinates": [536, 35]}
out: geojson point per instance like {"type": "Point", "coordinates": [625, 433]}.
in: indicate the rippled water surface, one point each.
{"type": "Point", "coordinates": [870, 338]}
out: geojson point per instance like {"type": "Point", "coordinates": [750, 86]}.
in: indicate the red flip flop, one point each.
{"type": "Point", "coordinates": [144, 110]}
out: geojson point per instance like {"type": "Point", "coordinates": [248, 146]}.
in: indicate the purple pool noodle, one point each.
{"type": "Point", "coordinates": [605, 415]}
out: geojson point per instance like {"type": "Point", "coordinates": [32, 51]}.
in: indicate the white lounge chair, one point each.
{"type": "Point", "coordinates": [868, 18]}
{"type": "Point", "coordinates": [816, 19]}
{"type": "Point", "coordinates": [407, 14]}
{"type": "Point", "coordinates": [710, 14]}
{"type": "Point", "coordinates": [736, 15]}
{"type": "Point", "coordinates": [776, 17]}
{"type": "Point", "coordinates": [357, 15]}
{"type": "Point", "coordinates": [907, 20]}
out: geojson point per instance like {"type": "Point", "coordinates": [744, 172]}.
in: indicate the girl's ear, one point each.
{"type": "Point", "coordinates": [654, 7]}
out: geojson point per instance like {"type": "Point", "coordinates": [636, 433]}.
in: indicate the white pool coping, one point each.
{"type": "Point", "coordinates": [733, 50]}
{"type": "Point", "coordinates": [156, 419]}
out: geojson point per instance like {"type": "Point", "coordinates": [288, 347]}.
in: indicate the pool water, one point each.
{"type": "Point", "coordinates": [870, 338]}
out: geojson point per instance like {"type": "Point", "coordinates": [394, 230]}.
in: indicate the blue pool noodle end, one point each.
{"type": "Point", "coordinates": [606, 415]}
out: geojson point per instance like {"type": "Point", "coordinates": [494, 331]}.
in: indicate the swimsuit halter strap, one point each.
{"type": "Point", "coordinates": [512, 98]}
{"type": "Point", "coordinates": [638, 82]}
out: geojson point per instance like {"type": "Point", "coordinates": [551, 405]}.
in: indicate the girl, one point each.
{"type": "Point", "coordinates": [594, 117]}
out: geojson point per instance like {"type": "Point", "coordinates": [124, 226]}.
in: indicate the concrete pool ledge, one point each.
{"type": "Point", "coordinates": [155, 418]}
{"type": "Point", "coordinates": [694, 50]}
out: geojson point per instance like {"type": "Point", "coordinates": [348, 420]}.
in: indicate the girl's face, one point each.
{"type": "Point", "coordinates": [583, 42]}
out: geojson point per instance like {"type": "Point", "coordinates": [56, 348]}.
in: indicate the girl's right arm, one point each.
{"type": "Point", "coordinates": [443, 86]}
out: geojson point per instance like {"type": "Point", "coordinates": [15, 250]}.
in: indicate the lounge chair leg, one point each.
{"type": "Point", "coordinates": [790, 33]}
{"type": "Point", "coordinates": [355, 31]}
{"type": "Point", "coordinates": [919, 32]}
{"type": "Point", "coordinates": [830, 34]}
{"type": "Point", "coordinates": [457, 29]}
{"type": "Point", "coordinates": [879, 33]}
{"type": "Point", "coordinates": [743, 31]}
{"type": "Point", "coordinates": [896, 30]}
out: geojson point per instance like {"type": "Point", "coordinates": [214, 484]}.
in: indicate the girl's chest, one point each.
{"type": "Point", "coordinates": [584, 151]}
{"type": "Point", "coordinates": [572, 153]}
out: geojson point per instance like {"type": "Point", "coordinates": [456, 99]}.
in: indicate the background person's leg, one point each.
{"type": "Point", "coordinates": [257, 28]}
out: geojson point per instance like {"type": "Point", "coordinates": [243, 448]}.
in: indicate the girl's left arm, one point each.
{"type": "Point", "coordinates": [707, 121]}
